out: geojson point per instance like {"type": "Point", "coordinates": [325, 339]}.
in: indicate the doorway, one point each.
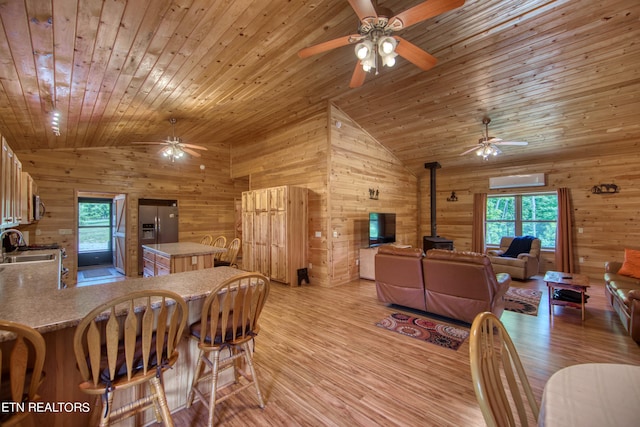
{"type": "Point", "coordinates": [101, 238]}
{"type": "Point", "coordinates": [95, 245]}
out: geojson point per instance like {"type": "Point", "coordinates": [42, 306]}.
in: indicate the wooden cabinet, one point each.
{"type": "Point", "coordinates": [11, 193]}
{"type": "Point", "coordinates": [274, 232]}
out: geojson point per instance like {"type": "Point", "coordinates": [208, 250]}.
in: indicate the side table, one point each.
{"type": "Point", "coordinates": [570, 281]}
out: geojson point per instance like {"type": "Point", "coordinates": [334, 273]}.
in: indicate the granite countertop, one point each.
{"type": "Point", "coordinates": [29, 293]}
{"type": "Point", "coordinates": [180, 249]}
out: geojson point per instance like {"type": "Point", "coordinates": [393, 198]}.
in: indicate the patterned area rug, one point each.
{"type": "Point", "coordinates": [435, 333]}
{"type": "Point", "coordinates": [525, 301]}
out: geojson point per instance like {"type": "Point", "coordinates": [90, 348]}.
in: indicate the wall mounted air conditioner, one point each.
{"type": "Point", "coordinates": [514, 181]}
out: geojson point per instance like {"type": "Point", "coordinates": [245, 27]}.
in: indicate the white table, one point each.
{"type": "Point", "coordinates": [592, 394]}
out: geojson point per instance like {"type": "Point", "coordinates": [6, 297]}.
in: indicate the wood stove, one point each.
{"type": "Point", "coordinates": [434, 241]}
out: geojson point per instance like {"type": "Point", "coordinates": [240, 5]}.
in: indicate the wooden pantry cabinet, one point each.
{"type": "Point", "coordinates": [275, 231]}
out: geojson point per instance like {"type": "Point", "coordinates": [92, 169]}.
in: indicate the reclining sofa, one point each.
{"type": "Point", "coordinates": [458, 285]}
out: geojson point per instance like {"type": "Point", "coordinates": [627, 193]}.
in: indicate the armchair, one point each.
{"type": "Point", "coordinates": [521, 266]}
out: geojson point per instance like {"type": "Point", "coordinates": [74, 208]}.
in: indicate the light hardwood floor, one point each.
{"type": "Point", "coordinates": [322, 361]}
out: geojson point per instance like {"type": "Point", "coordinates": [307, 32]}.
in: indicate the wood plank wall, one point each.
{"type": "Point", "coordinates": [205, 197]}
{"type": "Point", "coordinates": [338, 167]}
{"type": "Point", "coordinates": [294, 155]}
{"type": "Point", "coordinates": [359, 163]}
{"type": "Point", "coordinates": [609, 221]}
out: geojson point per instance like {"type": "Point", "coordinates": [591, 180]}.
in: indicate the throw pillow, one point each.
{"type": "Point", "coordinates": [631, 265]}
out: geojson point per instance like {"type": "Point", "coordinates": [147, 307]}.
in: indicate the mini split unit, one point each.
{"type": "Point", "coordinates": [514, 181]}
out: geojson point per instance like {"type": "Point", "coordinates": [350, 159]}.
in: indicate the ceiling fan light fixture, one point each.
{"type": "Point", "coordinates": [387, 45]}
{"type": "Point", "coordinates": [364, 49]}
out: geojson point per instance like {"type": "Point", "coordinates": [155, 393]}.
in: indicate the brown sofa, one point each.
{"type": "Point", "coordinates": [458, 285]}
{"type": "Point", "coordinates": [623, 293]}
{"type": "Point", "coordinates": [521, 267]}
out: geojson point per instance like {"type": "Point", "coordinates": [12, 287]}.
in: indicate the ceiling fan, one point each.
{"type": "Point", "coordinates": [173, 147]}
{"type": "Point", "coordinates": [488, 145]}
{"type": "Point", "coordinates": [375, 40]}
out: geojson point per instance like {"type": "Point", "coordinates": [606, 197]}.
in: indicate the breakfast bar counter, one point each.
{"type": "Point", "coordinates": [29, 295]}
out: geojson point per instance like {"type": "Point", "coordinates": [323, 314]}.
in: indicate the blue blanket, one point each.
{"type": "Point", "coordinates": [519, 245]}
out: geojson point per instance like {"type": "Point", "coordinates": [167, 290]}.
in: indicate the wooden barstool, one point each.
{"type": "Point", "coordinates": [23, 349]}
{"type": "Point", "coordinates": [229, 258]}
{"type": "Point", "coordinates": [228, 324]}
{"type": "Point", "coordinates": [218, 242]}
{"type": "Point", "coordinates": [130, 341]}
{"type": "Point", "coordinates": [207, 239]}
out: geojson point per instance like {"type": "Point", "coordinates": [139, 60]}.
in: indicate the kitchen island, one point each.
{"type": "Point", "coordinates": [165, 258]}
{"type": "Point", "coordinates": [29, 294]}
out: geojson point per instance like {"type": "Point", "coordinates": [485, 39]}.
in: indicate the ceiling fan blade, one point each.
{"type": "Point", "coordinates": [414, 54]}
{"type": "Point", "coordinates": [195, 147]}
{"type": "Point", "coordinates": [326, 46]}
{"type": "Point", "coordinates": [357, 79]}
{"type": "Point", "coordinates": [421, 12]}
{"type": "Point", "coordinates": [149, 143]}
{"type": "Point", "coordinates": [191, 152]}
{"type": "Point", "coordinates": [511, 143]}
{"type": "Point", "coordinates": [364, 9]}
{"type": "Point", "coordinates": [471, 149]}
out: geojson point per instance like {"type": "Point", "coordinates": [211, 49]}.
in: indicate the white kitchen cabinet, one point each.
{"type": "Point", "coordinates": [274, 232]}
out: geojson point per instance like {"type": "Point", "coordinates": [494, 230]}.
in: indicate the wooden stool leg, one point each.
{"type": "Point", "coordinates": [162, 401]}
{"type": "Point", "coordinates": [214, 386]}
{"type": "Point", "coordinates": [249, 358]}
{"type": "Point", "coordinates": [196, 378]}
{"type": "Point", "coordinates": [106, 411]}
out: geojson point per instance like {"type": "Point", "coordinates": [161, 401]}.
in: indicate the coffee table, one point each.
{"type": "Point", "coordinates": [570, 281]}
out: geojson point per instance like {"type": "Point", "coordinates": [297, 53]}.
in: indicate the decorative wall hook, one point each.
{"type": "Point", "coordinates": [605, 189]}
{"type": "Point", "coordinates": [452, 197]}
{"type": "Point", "coordinates": [373, 194]}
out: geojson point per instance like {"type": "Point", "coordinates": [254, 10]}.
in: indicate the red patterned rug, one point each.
{"type": "Point", "coordinates": [525, 301]}
{"type": "Point", "coordinates": [427, 330]}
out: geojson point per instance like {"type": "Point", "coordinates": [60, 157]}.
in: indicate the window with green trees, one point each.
{"type": "Point", "coordinates": [522, 215]}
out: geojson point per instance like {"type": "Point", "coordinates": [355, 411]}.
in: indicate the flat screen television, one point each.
{"type": "Point", "coordinates": [382, 228]}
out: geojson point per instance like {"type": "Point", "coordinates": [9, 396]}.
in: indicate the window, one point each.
{"type": "Point", "coordinates": [522, 215]}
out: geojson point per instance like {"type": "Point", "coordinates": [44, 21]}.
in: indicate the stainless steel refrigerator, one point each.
{"type": "Point", "coordinates": [157, 223]}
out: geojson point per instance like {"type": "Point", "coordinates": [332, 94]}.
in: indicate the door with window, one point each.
{"type": "Point", "coordinates": [95, 231]}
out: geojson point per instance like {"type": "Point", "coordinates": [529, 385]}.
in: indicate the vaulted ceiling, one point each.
{"type": "Point", "coordinates": [563, 75]}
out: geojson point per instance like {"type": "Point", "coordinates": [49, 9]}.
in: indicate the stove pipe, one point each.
{"type": "Point", "coordinates": [433, 166]}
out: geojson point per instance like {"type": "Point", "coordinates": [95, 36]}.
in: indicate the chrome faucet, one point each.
{"type": "Point", "coordinates": [4, 232]}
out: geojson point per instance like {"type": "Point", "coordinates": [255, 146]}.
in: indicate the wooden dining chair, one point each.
{"type": "Point", "coordinates": [228, 324]}
{"type": "Point", "coordinates": [128, 342]}
{"type": "Point", "coordinates": [499, 379]}
{"type": "Point", "coordinates": [207, 239]}
{"type": "Point", "coordinates": [21, 362]}
{"type": "Point", "coordinates": [218, 242]}
{"type": "Point", "coordinates": [230, 257]}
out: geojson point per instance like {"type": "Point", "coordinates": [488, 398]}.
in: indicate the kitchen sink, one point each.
{"type": "Point", "coordinates": [10, 259]}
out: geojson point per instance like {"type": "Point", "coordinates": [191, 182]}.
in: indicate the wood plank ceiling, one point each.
{"type": "Point", "coordinates": [563, 75]}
